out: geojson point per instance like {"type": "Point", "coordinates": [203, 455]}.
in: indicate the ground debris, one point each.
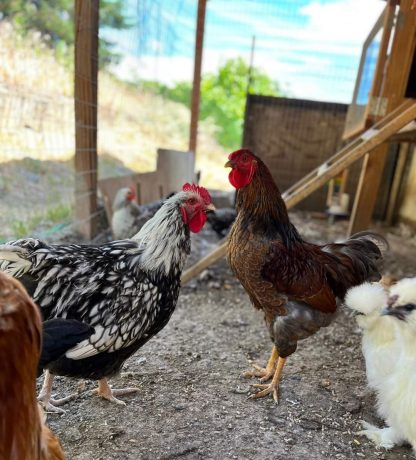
{"type": "Point", "coordinates": [193, 400]}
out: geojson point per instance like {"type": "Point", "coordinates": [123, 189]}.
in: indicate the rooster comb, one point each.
{"type": "Point", "coordinates": [201, 191]}
{"type": "Point", "coordinates": [239, 152]}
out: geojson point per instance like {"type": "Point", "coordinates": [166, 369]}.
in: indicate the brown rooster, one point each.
{"type": "Point", "coordinates": [23, 435]}
{"type": "Point", "coordinates": [296, 284]}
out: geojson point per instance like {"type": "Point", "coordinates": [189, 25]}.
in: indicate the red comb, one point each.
{"type": "Point", "coordinates": [201, 191]}
{"type": "Point", "coordinates": [232, 155]}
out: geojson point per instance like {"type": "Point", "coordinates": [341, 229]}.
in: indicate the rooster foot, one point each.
{"type": "Point", "coordinates": [52, 405]}
{"type": "Point", "coordinates": [51, 408]}
{"type": "Point", "coordinates": [266, 390]}
{"type": "Point", "coordinates": [273, 386]}
{"type": "Point", "coordinates": [266, 373]}
{"type": "Point", "coordinates": [110, 394]}
{"type": "Point", "coordinates": [263, 372]}
{"type": "Point", "coordinates": [45, 396]}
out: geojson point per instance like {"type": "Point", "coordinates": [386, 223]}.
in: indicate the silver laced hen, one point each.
{"type": "Point", "coordinates": [126, 290]}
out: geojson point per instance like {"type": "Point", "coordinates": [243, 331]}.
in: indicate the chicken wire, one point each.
{"type": "Point", "coordinates": [295, 44]}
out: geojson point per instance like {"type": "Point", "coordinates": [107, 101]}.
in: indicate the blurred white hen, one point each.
{"type": "Point", "coordinates": [128, 217]}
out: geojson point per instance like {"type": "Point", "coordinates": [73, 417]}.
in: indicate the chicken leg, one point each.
{"type": "Point", "coordinates": [273, 386]}
{"type": "Point", "coordinates": [267, 372]}
{"type": "Point", "coordinates": [105, 391]}
{"type": "Point", "coordinates": [45, 396]}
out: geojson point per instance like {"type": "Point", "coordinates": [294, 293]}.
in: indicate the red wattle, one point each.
{"type": "Point", "coordinates": [240, 179]}
{"type": "Point", "coordinates": [197, 222]}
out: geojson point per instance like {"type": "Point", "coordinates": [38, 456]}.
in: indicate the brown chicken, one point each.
{"type": "Point", "coordinates": [298, 285]}
{"type": "Point", "coordinates": [23, 435]}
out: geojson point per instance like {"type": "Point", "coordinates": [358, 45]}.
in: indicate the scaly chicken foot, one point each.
{"type": "Point", "coordinates": [267, 372]}
{"type": "Point", "coordinates": [45, 396]}
{"type": "Point", "coordinates": [273, 386]}
{"type": "Point", "coordinates": [105, 391]}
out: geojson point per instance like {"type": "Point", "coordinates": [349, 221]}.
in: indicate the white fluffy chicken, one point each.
{"type": "Point", "coordinates": [378, 346]}
{"type": "Point", "coordinates": [396, 383]}
{"type": "Point", "coordinates": [126, 290]}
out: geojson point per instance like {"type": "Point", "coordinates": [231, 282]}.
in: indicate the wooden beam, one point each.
{"type": "Point", "coordinates": [361, 117]}
{"type": "Point", "coordinates": [394, 88]}
{"type": "Point", "coordinates": [373, 107]}
{"type": "Point", "coordinates": [371, 139]}
{"type": "Point", "coordinates": [85, 93]}
{"type": "Point", "coordinates": [397, 182]}
{"type": "Point", "coordinates": [196, 87]}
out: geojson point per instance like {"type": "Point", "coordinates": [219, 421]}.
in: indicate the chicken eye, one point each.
{"type": "Point", "coordinates": [409, 307]}
{"type": "Point", "coordinates": [192, 201]}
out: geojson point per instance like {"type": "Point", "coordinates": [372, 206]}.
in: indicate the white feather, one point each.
{"type": "Point", "coordinates": [405, 289]}
{"type": "Point", "coordinates": [366, 298]}
{"type": "Point", "coordinates": [389, 347]}
{"type": "Point", "coordinates": [12, 263]}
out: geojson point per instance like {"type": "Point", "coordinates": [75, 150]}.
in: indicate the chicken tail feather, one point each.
{"type": "Point", "coordinates": [358, 259]}
{"type": "Point", "coordinates": [375, 238]}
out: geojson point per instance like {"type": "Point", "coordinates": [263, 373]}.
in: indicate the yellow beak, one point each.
{"type": "Point", "coordinates": [229, 164]}
{"type": "Point", "coordinates": [210, 207]}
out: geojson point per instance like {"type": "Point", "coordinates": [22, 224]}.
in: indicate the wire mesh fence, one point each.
{"type": "Point", "coordinates": [306, 50]}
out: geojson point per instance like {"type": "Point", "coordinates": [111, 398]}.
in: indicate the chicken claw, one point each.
{"type": "Point", "coordinates": [266, 373]}
{"type": "Point", "coordinates": [273, 386]}
{"type": "Point", "coordinates": [45, 396]}
{"type": "Point", "coordinates": [266, 390]}
{"type": "Point", "coordinates": [105, 391]}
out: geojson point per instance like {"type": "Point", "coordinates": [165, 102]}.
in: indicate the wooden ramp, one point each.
{"type": "Point", "coordinates": [373, 137]}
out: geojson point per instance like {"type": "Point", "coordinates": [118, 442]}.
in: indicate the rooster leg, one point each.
{"type": "Point", "coordinates": [264, 373]}
{"type": "Point", "coordinates": [45, 396]}
{"type": "Point", "coordinates": [106, 392]}
{"type": "Point", "coordinates": [273, 387]}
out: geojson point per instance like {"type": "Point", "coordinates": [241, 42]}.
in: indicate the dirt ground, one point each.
{"type": "Point", "coordinates": [192, 402]}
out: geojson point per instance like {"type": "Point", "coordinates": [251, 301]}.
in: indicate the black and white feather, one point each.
{"type": "Point", "coordinates": [126, 290]}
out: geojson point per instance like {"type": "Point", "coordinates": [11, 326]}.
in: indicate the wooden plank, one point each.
{"type": "Point", "coordinates": [356, 121]}
{"type": "Point", "coordinates": [394, 88]}
{"type": "Point", "coordinates": [382, 59]}
{"type": "Point", "coordinates": [196, 86]}
{"type": "Point", "coordinates": [85, 94]}
{"type": "Point", "coordinates": [205, 262]}
{"type": "Point", "coordinates": [369, 141]}
{"type": "Point", "coordinates": [373, 138]}
{"type": "Point", "coordinates": [351, 145]}
{"type": "Point", "coordinates": [398, 176]}
{"type": "Point", "coordinates": [175, 168]}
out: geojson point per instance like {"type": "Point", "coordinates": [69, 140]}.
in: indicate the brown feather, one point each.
{"type": "Point", "coordinates": [284, 274]}
{"type": "Point", "coordinates": [22, 434]}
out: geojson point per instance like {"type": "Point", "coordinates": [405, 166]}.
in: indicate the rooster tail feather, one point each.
{"type": "Point", "coordinates": [359, 259]}
{"type": "Point", "coordinates": [375, 238]}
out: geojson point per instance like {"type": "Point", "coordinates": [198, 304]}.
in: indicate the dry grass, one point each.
{"type": "Point", "coordinates": [37, 118]}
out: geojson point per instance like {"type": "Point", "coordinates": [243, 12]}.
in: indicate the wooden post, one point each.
{"type": "Point", "coordinates": [196, 87]}
{"type": "Point", "coordinates": [397, 182]}
{"type": "Point", "coordinates": [85, 93]}
{"type": "Point", "coordinates": [394, 88]}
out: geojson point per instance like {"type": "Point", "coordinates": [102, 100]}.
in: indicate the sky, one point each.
{"type": "Point", "coordinates": [311, 47]}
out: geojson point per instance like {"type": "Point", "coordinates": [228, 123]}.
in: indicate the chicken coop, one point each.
{"type": "Point", "coordinates": [144, 256]}
{"type": "Point", "coordinates": [294, 137]}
